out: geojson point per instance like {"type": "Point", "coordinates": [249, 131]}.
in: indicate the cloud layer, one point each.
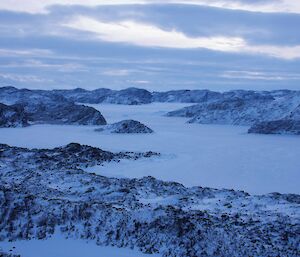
{"type": "Point", "coordinates": [41, 6]}
{"type": "Point", "coordinates": [148, 35]}
{"type": "Point", "coordinates": [214, 44]}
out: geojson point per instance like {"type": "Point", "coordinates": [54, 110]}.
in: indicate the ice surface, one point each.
{"type": "Point", "coordinates": [219, 156]}
{"type": "Point", "coordinates": [58, 246]}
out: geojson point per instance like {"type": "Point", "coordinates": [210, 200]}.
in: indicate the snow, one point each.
{"type": "Point", "coordinates": [219, 156]}
{"type": "Point", "coordinates": [57, 246]}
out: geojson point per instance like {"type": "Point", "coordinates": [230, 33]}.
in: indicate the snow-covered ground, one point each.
{"type": "Point", "coordinates": [57, 246]}
{"type": "Point", "coordinates": [217, 156]}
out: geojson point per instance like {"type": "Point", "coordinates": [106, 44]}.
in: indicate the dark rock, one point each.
{"type": "Point", "coordinates": [13, 116]}
{"type": "Point", "coordinates": [46, 107]}
{"type": "Point", "coordinates": [283, 126]}
{"type": "Point", "coordinates": [63, 113]}
{"type": "Point", "coordinates": [129, 96]}
{"type": "Point", "coordinates": [126, 127]}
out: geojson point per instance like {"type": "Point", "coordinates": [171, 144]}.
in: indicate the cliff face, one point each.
{"type": "Point", "coordinates": [47, 190]}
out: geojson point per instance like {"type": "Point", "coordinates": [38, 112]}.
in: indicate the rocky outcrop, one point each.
{"type": "Point", "coordinates": [129, 96]}
{"type": "Point", "coordinates": [236, 112]}
{"type": "Point", "coordinates": [80, 95]}
{"type": "Point", "coordinates": [12, 116]}
{"type": "Point", "coordinates": [237, 107]}
{"type": "Point", "coordinates": [241, 111]}
{"type": "Point", "coordinates": [43, 191]}
{"type": "Point", "coordinates": [126, 127]}
{"type": "Point", "coordinates": [63, 113]}
{"type": "Point", "coordinates": [186, 96]}
{"type": "Point", "coordinates": [289, 125]}
{"type": "Point", "coordinates": [142, 96]}
{"type": "Point", "coordinates": [45, 107]}
{"type": "Point", "coordinates": [284, 126]}
{"type": "Point", "coordinates": [295, 114]}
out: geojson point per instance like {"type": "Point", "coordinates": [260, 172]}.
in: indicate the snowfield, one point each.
{"type": "Point", "coordinates": [218, 156]}
{"type": "Point", "coordinates": [58, 246]}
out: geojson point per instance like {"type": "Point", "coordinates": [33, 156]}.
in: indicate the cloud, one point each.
{"type": "Point", "coordinates": [138, 81]}
{"type": "Point", "coordinates": [282, 52]}
{"type": "Point", "coordinates": [259, 75]}
{"type": "Point", "coordinates": [24, 52]}
{"type": "Point", "coordinates": [41, 6]}
{"type": "Point", "coordinates": [37, 64]}
{"type": "Point", "coordinates": [148, 35]}
{"type": "Point", "coordinates": [116, 72]}
{"type": "Point", "coordinates": [23, 78]}
{"type": "Point", "coordinates": [268, 6]}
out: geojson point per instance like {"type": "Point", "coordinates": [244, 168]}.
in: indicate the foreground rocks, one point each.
{"type": "Point", "coordinates": [47, 190]}
{"type": "Point", "coordinates": [126, 127]}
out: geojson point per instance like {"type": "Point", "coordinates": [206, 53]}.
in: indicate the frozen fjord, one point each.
{"type": "Point", "coordinates": [217, 156]}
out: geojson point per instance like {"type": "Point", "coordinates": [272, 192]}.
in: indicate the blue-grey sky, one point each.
{"type": "Point", "coordinates": [157, 45]}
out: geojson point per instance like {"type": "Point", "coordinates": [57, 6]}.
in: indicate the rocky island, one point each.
{"type": "Point", "coordinates": [126, 127]}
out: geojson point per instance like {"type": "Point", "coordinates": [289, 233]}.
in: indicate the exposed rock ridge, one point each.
{"type": "Point", "coordinates": [42, 191]}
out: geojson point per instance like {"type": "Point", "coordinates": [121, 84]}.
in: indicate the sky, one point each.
{"type": "Point", "coordinates": [157, 45]}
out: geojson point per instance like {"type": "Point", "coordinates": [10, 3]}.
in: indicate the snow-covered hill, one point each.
{"type": "Point", "coordinates": [12, 116]}
{"type": "Point", "coordinates": [284, 126]}
{"type": "Point", "coordinates": [243, 110]}
{"type": "Point", "coordinates": [129, 96]}
{"type": "Point", "coordinates": [46, 107]}
{"type": "Point", "coordinates": [45, 191]}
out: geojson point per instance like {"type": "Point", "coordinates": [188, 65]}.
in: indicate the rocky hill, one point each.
{"type": "Point", "coordinates": [80, 95]}
{"type": "Point", "coordinates": [13, 116]}
{"type": "Point", "coordinates": [186, 96]}
{"type": "Point", "coordinates": [284, 126]}
{"type": "Point", "coordinates": [236, 107]}
{"type": "Point", "coordinates": [46, 107]}
{"type": "Point", "coordinates": [243, 109]}
{"type": "Point", "coordinates": [129, 96]}
{"type": "Point", "coordinates": [126, 127]}
{"type": "Point", "coordinates": [43, 191]}
{"type": "Point", "coordinates": [289, 125]}
{"type": "Point", "coordinates": [136, 96]}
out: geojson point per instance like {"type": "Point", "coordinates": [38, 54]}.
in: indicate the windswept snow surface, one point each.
{"type": "Point", "coordinates": [219, 156]}
{"type": "Point", "coordinates": [58, 246]}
